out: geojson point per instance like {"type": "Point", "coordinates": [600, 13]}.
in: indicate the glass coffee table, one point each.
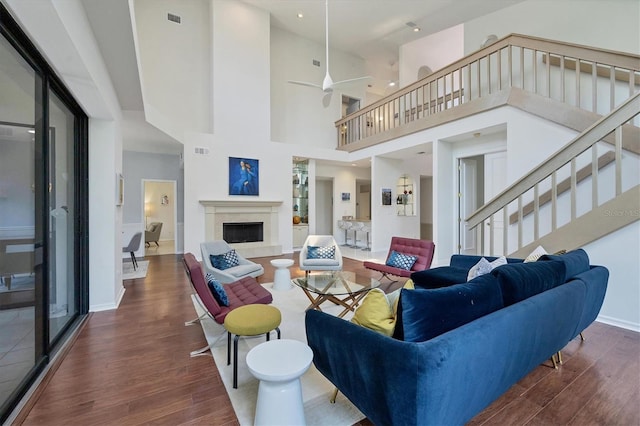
{"type": "Point", "coordinates": [343, 288]}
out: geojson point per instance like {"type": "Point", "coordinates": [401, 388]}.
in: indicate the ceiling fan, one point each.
{"type": "Point", "coordinates": [328, 84]}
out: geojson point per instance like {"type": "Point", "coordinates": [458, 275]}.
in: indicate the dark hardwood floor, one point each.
{"type": "Point", "coordinates": [131, 366]}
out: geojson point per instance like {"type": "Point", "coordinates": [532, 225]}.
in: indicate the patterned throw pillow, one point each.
{"type": "Point", "coordinates": [535, 255]}
{"type": "Point", "coordinates": [315, 252]}
{"type": "Point", "coordinates": [401, 260]}
{"type": "Point", "coordinates": [484, 267]}
{"type": "Point", "coordinates": [217, 290]}
{"type": "Point", "coordinates": [224, 261]}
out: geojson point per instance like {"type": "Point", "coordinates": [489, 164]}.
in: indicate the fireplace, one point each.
{"type": "Point", "coordinates": [242, 232]}
{"type": "Point", "coordinates": [219, 213]}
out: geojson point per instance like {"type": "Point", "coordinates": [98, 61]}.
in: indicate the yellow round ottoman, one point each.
{"type": "Point", "coordinates": [249, 320]}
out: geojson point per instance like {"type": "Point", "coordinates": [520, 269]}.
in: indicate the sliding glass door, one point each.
{"type": "Point", "coordinates": [20, 349]}
{"type": "Point", "coordinates": [43, 214]}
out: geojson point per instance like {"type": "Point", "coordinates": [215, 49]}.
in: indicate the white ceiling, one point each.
{"type": "Point", "coordinates": [371, 29]}
{"type": "Point", "coordinates": [374, 29]}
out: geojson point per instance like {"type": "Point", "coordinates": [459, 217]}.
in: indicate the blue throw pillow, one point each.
{"type": "Point", "coordinates": [425, 314]}
{"type": "Point", "coordinates": [441, 276]}
{"type": "Point", "coordinates": [400, 260]}
{"type": "Point", "coordinates": [575, 262]}
{"type": "Point", "coordinates": [520, 281]}
{"type": "Point", "coordinates": [224, 261]}
{"type": "Point", "coordinates": [217, 290]}
{"type": "Point", "coordinates": [315, 252]}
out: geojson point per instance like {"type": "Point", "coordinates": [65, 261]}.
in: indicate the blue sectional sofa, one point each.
{"type": "Point", "coordinates": [458, 347]}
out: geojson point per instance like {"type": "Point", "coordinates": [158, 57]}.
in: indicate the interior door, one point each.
{"type": "Point", "coordinates": [468, 202]}
{"type": "Point", "coordinates": [495, 180]}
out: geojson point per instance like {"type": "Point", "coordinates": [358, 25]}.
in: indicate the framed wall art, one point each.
{"type": "Point", "coordinates": [244, 176]}
{"type": "Point", "coordinates": [386, 196]}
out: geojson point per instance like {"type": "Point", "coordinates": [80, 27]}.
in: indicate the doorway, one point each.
{"type": "Point", "coordinates": [363, 199]}
{"type": "Point", "coordinates": [160, 207]}
{"type": "Point", "coordinates": [324, 206]}
{"type": "Point", "coordinates": [480, 178]}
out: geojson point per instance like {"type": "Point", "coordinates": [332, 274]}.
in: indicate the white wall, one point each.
{"type": "Point", "coordinates": [607, 24]}
{"type": "Point", "coordinates": [240, 50]}
{"type": "Point", "coordinates": [618, 253]}
{"type": "Point", "coordinates": [175, 64]}
{"type": "Point", "coordinates": [298, 113]}
{"type": "Point", "coordinates": [435, 51]}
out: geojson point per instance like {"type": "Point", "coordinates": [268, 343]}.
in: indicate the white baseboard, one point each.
{"type": "Point", "coordinates": [616, 322]}
{"type": "Point", "coordinates": [109, 306]}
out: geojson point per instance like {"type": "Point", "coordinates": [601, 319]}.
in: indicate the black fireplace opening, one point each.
{"type": "Point", "coordinates": [242, 232]}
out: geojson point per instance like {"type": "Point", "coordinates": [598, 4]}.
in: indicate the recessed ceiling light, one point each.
{"type": "Point", "coordinates": [392, 83]}
{"type": "Point", "coordinates": [416, 29]}
{"type": "Point", "coordinates": [300, 15]}
{"type": "Point", "coordinates": [354, 164]}
{"type": "Point", "coordinates": [31, 131]}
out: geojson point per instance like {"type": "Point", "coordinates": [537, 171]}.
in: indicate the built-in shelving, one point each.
{"type": "Point", "coordinates": [405, 196]}
{"type": "Point", "coordinates": [300, 201]}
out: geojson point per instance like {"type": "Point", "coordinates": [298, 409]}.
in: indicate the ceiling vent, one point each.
{"type": "Point", "coordinates": [411, 24]}
{"type": "Point", "coordinates": [316, 62]}
{"type": "Point", "coordinates": [199, 150]}
{"type": "Point", "coordinates": [174, 18]}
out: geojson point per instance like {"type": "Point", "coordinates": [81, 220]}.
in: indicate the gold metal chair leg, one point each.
{"type": "Point", "coordinates": [553, 361]}
{"type": "Point", "coordinates": [334, 395]}
{"type": "Point", "coordinates": [560, 357]}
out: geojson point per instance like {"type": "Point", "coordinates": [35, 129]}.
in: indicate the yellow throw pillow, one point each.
{"type": "Point", "coordinates": [375, 313]}
{"type": "Point", "coordinates": [377, 310]}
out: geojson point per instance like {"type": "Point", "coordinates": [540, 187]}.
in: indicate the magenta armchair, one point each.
{"type": "Point", "coordinates": [423, 249]}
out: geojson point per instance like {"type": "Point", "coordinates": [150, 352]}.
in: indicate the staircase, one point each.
{"type": "Point", "coordinates": [581, 208]}
{"type": "Point", "coordinates": [586, 190]}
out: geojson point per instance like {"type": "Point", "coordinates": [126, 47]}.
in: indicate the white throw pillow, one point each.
{"type": "Point", "coordinates": [535, 255]}
{"type": "Point", "coordinates": [502, 260]}
{"type": "Point", "coordinates": [484, 267]}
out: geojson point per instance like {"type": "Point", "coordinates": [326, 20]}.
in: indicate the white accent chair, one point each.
{"type": "Point", "coordinates": [307, 265]}
{"type": "Point", "coordinates": [245, 268]}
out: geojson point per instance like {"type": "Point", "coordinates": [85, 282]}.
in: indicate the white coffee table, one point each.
{"type": "Point", "coordinates": [282, 276]}
{"type": "Point", "coordinates": [278, 364]}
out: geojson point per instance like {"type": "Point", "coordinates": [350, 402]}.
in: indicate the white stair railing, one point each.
{"type": "Point", "coordinates": [613, 190]}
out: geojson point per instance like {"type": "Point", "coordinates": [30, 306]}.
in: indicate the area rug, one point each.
{"type": "Point", "coordinates": [316, 389]}
{"type": "Point", "coordinates": [129, 274]}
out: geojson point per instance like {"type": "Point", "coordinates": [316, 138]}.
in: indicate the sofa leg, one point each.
{"type": "Point", "coordinates": [553, 361]}
{"type": "Point", "coordinates": [582, 337]}
{"type": "Point", "coordinates": [334, 395]}
{"type": "Point", "coordinates": [559, 357]}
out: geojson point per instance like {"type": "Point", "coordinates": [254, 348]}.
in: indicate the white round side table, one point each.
{"type": "Point", "coordinates": [282, 277]}
{"type": "Point", "coordinates": [278, 364]}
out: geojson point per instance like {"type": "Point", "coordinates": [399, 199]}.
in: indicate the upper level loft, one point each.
{"type": "Point", "coordinates": [567, 83]}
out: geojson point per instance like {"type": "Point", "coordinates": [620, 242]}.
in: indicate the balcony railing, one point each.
{"type": "Point", "coordinates": [591, 79]}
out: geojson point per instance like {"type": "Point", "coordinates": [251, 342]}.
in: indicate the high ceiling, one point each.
{"type": "Point", "coordinates": [374, 29]}
{"type": "Point", "coordinates": [371, 29]}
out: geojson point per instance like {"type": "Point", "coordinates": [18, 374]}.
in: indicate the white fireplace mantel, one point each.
{"type": "Point", "coordinates": [218, 212]}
